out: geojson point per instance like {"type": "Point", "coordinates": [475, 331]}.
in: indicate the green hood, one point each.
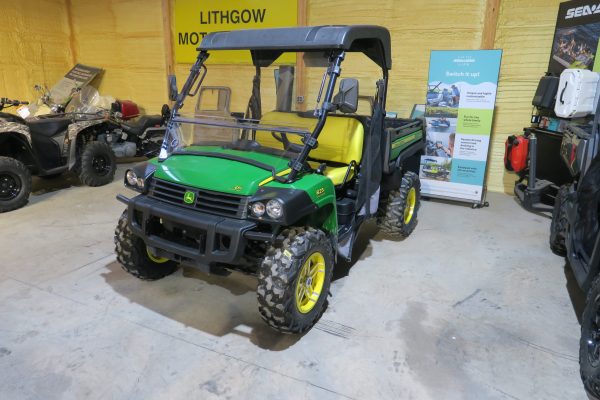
{"type": "Point", "coordinates": [218, 174]}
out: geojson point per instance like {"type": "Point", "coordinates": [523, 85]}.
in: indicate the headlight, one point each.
{"type": "Point", "coordinates": [258, 209]}
{"type": "Point", "coordinates": [137, 178]}
{"type": "Point", "coordinates": [275, 209]}
{"type": "Point", "coordinates": [131, 177]}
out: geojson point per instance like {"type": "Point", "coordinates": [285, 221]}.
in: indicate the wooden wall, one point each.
{"type": "Point", "coordinates": [416, 28]}
{"type": "Point", "coordinates": [34, 46]}
{"type": "Point", "coordinates": [126, 39]}
{"type": "Point", "coordinates": [525, 32]}
{"type": "Point", "coordinates": [41, 39]}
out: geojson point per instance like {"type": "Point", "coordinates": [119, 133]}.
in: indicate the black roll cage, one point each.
{"type": "Point", "coordinates": [266, 45]}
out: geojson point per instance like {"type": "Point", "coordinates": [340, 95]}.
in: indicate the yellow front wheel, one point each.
{"type": "Point", "coordinates": [136, 258]}
{"type": "Point", "coordinates": [294, 280]}
{"type": "Point", "coordinates": [310, 282]}
{"type": "Point", "coordinates": [154, 258]}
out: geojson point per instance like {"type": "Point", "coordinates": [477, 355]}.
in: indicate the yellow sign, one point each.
{"type": "Point", "coordinates": [196, 18]}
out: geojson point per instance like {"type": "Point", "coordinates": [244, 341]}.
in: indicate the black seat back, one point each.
{"type": "Point", "coordinates": [142, 123]}
{"type": "Point", "coordinates": [48, 127]}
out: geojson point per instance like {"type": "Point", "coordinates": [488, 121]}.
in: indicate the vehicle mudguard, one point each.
{"type": "Point", "coordinates": [321, 212]}
{"type": "Point", "coordinates": [73, 132]}
{"type": "Point", "coordinates": [16, 128]}
{"type": "Point", "coordinates": [587, 225]}
{"type": "Point", "coordinates": [16, 145]}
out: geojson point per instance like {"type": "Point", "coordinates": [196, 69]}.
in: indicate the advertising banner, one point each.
{"type": "Point", "coordinates": [575, 43]}
{"type": "Point", "coordinates": [196, 18]}
{"type": "Point", "coordinates": [78, 77]}
{"type": "Point", "coordinates": [459, 112]}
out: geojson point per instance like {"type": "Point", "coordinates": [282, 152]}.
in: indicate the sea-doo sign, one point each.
{"type": "Point", "coordinates": [576, 36]}
{"type": "Point", "coordinates": [194, 19]}
{"type": "Point", "coordinates": [582, 11]}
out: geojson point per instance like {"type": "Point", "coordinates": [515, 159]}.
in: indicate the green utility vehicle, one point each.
{"type": "Point", "coordinates": [279, 194]}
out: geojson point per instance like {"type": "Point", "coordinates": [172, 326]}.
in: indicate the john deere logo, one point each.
{"type": "Point", "coordinates": [189, 197]}
{"type": "Point", "coordinates": [237, 188]}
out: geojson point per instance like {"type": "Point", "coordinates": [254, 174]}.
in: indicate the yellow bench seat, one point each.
{"type": "Point", "coordinates": [340, 141]}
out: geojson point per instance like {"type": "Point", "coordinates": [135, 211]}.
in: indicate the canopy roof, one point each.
{"type": "Point", "coordinates": [266, 45]}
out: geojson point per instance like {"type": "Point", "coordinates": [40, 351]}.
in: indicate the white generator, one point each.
{"type": "Point", "coordinates": [576, 96]}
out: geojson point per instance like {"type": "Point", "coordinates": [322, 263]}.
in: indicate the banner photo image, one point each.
{"type": "Point", "coordinates": [459, 111]}
{"type": "Point", "coordinates": [195, 19]}
{"type": "Point", "coordinates": [576, 37]}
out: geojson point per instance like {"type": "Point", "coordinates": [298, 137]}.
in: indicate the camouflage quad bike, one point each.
{"type": "Point", "coordinates": [47, 147]}
{"type": "Point", "coordinates": [280, 194]}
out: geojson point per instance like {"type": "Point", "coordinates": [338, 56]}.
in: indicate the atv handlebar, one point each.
{"type": "Point", "coordinates": [6, 102]}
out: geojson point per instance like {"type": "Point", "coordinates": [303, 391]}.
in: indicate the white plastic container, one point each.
{"type": "Point", "coordinates": [576, 93]}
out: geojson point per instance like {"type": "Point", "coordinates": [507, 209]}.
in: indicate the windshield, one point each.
{"type": "Point", "coordinates": [210, 132]}
{"type": "Point", "coordinates": [266, 118]}
{"type": "Point", "coordinates": [273, 116]}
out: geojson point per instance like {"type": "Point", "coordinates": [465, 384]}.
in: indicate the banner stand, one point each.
{"type": "Point", "coordinates": [459, 111]}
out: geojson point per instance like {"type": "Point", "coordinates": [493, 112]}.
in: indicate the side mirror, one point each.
{"type": "Point", "coordinates": [173, 92]}
{"type": "Point", "coordinates": [165, 112]}
{"type": "Point", "coordinates": [347, 98]}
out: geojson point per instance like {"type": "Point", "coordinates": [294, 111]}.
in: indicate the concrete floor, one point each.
{"type": "Point", "coordinates": [472, 306]}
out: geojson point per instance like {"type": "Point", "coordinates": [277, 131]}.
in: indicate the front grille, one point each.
{"type": "Point", "coordinates": [225, 204]}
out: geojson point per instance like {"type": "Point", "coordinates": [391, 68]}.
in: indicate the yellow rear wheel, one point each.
{"type": "Point", "coordinates": [411, 201]}
{"type": "Point", "coordinates": [397, 213]}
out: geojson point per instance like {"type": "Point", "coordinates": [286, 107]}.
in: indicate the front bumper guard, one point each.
{"type": "Point", "coordinates": [216, 239]}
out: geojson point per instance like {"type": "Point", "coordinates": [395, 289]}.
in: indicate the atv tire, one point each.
{"type": "Point", "coordinates": [294, 280]}
{"type": "Point", "coordinates": [135, 258]}
{"type": "Point", "coordinates": [559, 225]}
{"type": "Point", "coordinates": [397, 215]}
{"type": "Point", "coordinates": [98, 164]}
{"type": "Point", "coordinates": [15, 184]}
{"type": "Point", "coordinates": [589, 343]}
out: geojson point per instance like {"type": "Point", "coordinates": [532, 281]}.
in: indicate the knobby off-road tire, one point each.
{"type": "Point", "coordinates": [134, 256]}
{"type": "Point", "coordinates": [15, 184]}
{"type": "Point", "coordinates": [589, 344]}
{"type": "Point", "coordinates": [397, 216]}
{"type": "Point", "coordinates": [281, 273]}
{"type": "Point", "coordinates": [559, 225]}
{"type": "Point", "coordinates": [98, 164]}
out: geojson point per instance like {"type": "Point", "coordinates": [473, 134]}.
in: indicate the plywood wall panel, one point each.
{"type": "Point", "coordinates": [525, 31]}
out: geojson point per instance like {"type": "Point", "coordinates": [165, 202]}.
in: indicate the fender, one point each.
{"type": "Point", "coordinates": [15, 127]}
{"type": "Point", "coordinates": [321, 192]}
{"type": "Point", "coordinates": [73, 132]}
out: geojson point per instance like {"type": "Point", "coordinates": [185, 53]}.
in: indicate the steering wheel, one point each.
{"type": "Point", "coordinates": [287, 145]}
